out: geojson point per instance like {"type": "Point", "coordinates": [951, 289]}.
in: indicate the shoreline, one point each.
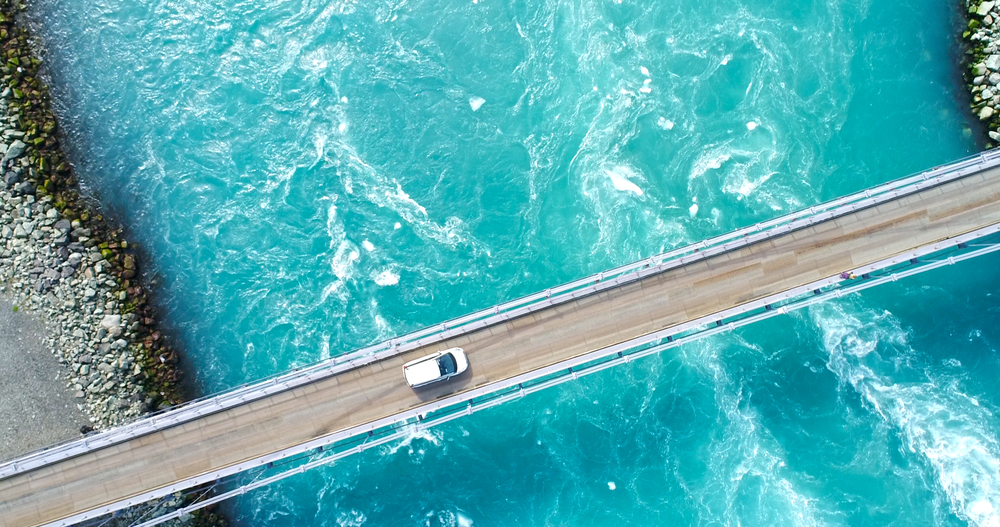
{"type": "Point", "coordinates": [60, 258]}
{"type": "Point", "coordinates": [65, 264]}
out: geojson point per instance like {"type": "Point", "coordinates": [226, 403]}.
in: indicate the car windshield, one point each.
{"type": "Point", "coordinates": [447, 364]}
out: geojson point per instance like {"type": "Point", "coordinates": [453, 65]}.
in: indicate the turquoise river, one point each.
{"type": "Point", "coordinates": [310, 176]}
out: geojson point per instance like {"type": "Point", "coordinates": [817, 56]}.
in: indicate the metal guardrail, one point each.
{"type": "Point", "coordinates": [364, 437]}
{"type": "Point", "coordinates": [506, 311]}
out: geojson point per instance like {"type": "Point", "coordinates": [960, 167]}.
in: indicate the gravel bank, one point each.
{"type": "Point", "coordinates": [63, 262]}
{"type": "Point", "coordinates": [75, 280]}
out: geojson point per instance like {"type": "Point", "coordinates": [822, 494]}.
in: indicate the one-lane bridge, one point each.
{"type": "Point", "coordinates": [590, 324]}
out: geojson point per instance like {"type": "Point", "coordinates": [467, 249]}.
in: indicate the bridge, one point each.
{"type": "Point", "coordinates": [315, 415]}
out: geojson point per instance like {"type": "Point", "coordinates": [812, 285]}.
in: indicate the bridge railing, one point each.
{"type": "Point", "coordinates": [506, 311]}
{"type": "Point", "coordinates": [326, 450]}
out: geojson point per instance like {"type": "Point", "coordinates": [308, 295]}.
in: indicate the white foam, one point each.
{"type": "Point", "coordinates": [751, 125]}
{"type": "Point", "coordinates": [645, 89]}
{"type": "Point", "coordinates": [644, 71]}
{"type": "Point", "coordinates": [476, 103]}
{"type": "Point", "coordinates": [343, 100]}
{"type": "Point", "coordinates": [412, 433]}
{"type": "Point", "coordinates": [620, 179]}
{"type": "Point", "coordinates": [709, 161]}
{"type": "Point", "coordinates": [611, 484]}
{"type": "Point", "coordinates": [342, 263]}
{"type": "Point", "coordinates": [693, 210]}
{"type": "Point", "coordinates": [351, 518]}
{"type": "Point", "coordinates": [397, 226]}
{"type": "Point", "coordinates": [936, 419]}
{"type": "Point", "coordinates": [406, 199]}
{"type": "Point", "coordinates": [665, 123]}
{"type": "Point", "coordinates": [369, 246]}
{"type": "Point", "coordinates": [386, 277]}
{"type": "Point", "coordinates": [726, 59]}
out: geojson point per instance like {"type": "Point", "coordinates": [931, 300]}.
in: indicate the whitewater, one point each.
{"type": "Point", "coordinates": [313, 176]}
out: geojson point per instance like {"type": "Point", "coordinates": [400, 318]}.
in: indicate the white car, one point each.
{"type": "Point", "coordinates": [435, 367]}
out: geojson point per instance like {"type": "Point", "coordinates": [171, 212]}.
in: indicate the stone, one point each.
{"type": "Point", "coordinates": [987, 94]}
{"type": "Point", "coordinates": [11, 178]}
{"type": "Point", "coordinates": [63, 225]}
{"type": "Point", "coordinates": [6, 232]}
{"type": "Point", "coordinates": [988, 20]}
{"type": "Point", "coordinates": [994, 79]}
{"type": "Point", "coordinates": [120, 343]}
{"type": "Point", "coordinates": [85, 359]}
{"type": "Point", "coordinates": [111, 321]}
{"type": "Point", "coordinates": [994, 136]}
{"type": "Point", "coordinates": [79, 394]}
{"type": "Point", "coordinates": [26, 187]}
{"type": "Point", "coordinates": [14, 151]}
{"type": "Point", "coordinates": [984, 8]}
{"type": "Point", "coordinates": [979, 69]}
{"type": "Point", "coordinates": [978, 81]}
{"type": "Point", "coordinates": [985, 113]}
{"type": "Point", "coordinates": [992, 62]}
{"type": "Point", "coordinates": [19, 232]}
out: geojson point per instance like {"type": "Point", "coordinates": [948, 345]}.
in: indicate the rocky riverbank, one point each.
{"type": "Point", "coordinates": [983, 34]}
{"type": "Point", "coordinates": [60, 258]}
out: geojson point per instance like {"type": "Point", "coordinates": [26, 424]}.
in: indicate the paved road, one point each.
{"type": "Point", "coordinates": [503, 351]}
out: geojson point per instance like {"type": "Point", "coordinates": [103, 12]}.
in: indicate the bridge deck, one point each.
{"type": "Point", "coordinates": [503, 351]}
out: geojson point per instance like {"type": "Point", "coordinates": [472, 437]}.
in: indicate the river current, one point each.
{"type": "Point", "coordinates": [311, 176]}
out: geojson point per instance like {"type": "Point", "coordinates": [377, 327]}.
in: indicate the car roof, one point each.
{"type": "Point", "coordinates": [423, 371]}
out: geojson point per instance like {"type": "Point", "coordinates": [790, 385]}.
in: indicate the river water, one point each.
{"type": "Point", "coordinates": [311, 176]}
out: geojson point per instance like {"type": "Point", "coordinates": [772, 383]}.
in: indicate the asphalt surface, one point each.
{"type": "Point", "coordinates": [36, 407]}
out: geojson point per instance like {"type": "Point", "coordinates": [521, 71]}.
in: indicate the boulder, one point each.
{"type": "Point", "coordinates": [26, 187]}
{"type": "Point", "coordinates": [985, 113]}
{"type": "Point", "coordinates": [992, 62]}
{"type": "Point", "coordinates": [14, 151]}
{"type": "Point", "coordinates": [111, 321]}
{"type": "Point", "coordinates": [984, 8]}
{"type": "Point", "coordinates": [63, 226]}
{"type": "Point", "coordinates": [11, 178]}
